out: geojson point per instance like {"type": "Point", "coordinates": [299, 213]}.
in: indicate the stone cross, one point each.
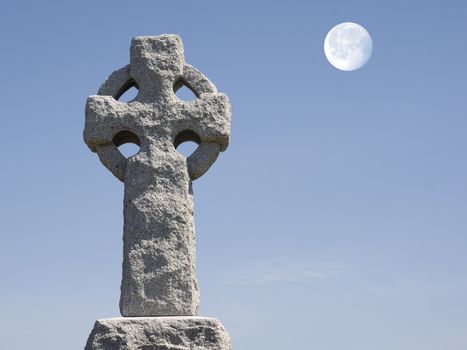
{"type": "Point", "coordinates": [159, 237]}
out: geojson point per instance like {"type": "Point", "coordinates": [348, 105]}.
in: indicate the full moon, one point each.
{"type": "Point", "coordinates": [348, 46]}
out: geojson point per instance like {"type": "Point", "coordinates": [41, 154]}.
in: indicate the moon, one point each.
{"type": "Point", "coordinates": [348, 46]}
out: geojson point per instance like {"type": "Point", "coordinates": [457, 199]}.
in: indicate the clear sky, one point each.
{"type": "Point", "coordinates": [336, 220]}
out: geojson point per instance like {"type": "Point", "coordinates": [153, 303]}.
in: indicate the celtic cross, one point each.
{"type": "Point", "coordinates": [159, 237]}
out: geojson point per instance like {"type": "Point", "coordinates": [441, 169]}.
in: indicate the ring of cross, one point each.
{"type": "Point", "coordinates": [199, 161]}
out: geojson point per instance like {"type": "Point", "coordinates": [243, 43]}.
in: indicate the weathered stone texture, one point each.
{"type": "Point", "coordinates": [158, 333]}
{"type": "Point", "coordinates": [159, 236]}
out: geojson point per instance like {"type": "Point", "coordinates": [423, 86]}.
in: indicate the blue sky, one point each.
{"type": "Point", "coordinates": [336, 218]}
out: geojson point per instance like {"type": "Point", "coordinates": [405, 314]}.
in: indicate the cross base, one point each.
{"type": "Point", "coordinates": [158, 333]}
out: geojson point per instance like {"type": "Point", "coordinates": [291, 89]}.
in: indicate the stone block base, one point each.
{"type": "Point", "coordinates": [158, 333]}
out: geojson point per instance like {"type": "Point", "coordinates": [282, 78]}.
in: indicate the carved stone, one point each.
{"type": "Point", "coordinates": [159, 236]}
{"type": "Point", "coordinates": [158, 333]}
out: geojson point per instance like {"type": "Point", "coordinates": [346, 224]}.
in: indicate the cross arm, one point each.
{"type": "Point", "coordinates": [207, 122]}
{"type": "Point", "coordinates": [209, 117]}
{"type": "Point", "coordinates": [105, 117]}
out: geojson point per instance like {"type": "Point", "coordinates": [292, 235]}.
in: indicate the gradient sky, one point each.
{"type": "Point", "coordinates": [336, 220]}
